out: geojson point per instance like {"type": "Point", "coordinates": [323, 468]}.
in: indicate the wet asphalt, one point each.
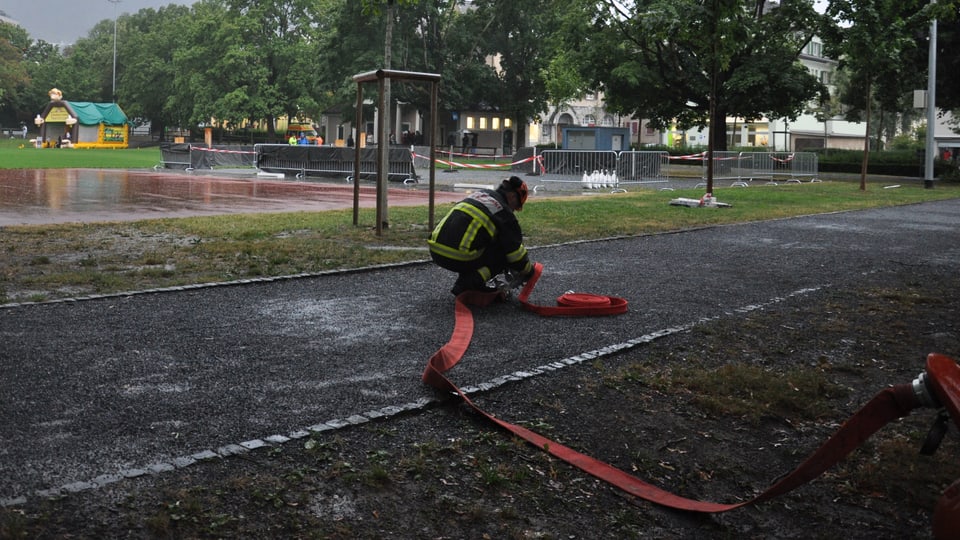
{"type": "Point", "coordinates": [105, 389]}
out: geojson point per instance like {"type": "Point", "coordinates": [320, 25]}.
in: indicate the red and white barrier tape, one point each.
{"type": "Point", "coordinates": [474, 165]}
{"type": "Point", "coordinates": [219, 151]}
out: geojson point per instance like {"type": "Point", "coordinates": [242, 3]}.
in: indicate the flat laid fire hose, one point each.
{"type": "Point", "coordinates": [888, 405]}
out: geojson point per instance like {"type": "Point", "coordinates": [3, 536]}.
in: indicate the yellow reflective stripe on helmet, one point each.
{"type": "Point", "coordinates": [485, 273]}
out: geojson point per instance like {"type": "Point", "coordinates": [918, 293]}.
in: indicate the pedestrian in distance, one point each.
{"type": "Point", "coordinates": [481, 238]}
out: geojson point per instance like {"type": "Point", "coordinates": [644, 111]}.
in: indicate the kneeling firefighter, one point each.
{"type": "Point", "coordinates": [481, 237]}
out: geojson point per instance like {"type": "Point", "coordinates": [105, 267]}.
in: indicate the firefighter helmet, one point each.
{"type": "Point", "coordinates": [518, 186]}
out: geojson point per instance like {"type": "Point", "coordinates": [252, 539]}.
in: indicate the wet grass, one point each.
{"type": "Point", "coordinates": [56, 261]}
{"type": "Point", "coordinates": [751, 392]}
{"type": "Point", "coordinates": [19, 154]}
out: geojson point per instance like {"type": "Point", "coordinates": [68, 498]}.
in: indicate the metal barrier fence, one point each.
{"type": "Point", "coordinates": [743, 167]}
{"type": "Point", "coordinates": [570, 170]}
{"type": "Point", "coordinates": [733, 166]}
{"type": "Point", "coordinates": [599, 169]}
{"type": "Point", "coordinates": [202, 157]}
{"type": "Point", "coordinates": [642, 167]}
{"type": "Point", "coordinates": [446, 161]}
{"type": "Point", "coordinates": [795, 166]}
{"type": "Point", "coordinates": [332, 161]}
{"type": "Point", "coordinates": [188, 157]}
{"type": "Point", "coordinates": [174, 156]}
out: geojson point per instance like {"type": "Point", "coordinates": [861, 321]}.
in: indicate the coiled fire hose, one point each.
{"type": "Point", "coordinates": [937, 387]}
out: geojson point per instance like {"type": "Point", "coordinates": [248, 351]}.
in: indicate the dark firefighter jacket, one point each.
{"type": "Point", "coordinates": [481, 221]}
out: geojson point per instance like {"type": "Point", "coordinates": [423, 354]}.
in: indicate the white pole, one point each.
{"type": "Point", "coordinates": [931, 144]}
{"type": "Point", "coordinates": [114, 94]}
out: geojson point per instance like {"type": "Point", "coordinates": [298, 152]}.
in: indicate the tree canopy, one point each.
{"type": "Point", "coordinates": [663, 60]}
{"type": "Point", "coordinates": [14, 44]}
{"type": "Point", "coordinates": [669, 61]}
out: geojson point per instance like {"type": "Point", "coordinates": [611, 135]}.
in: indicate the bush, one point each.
{"type": "Point", "coordinates": [905, 142]}
{"type": "Point", "coordinates": [908, 162]}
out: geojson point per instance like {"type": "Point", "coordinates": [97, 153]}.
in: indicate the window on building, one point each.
{"type": "Point", "coordinates": [483, 122]}
{"type": "Point", "coordinates": [814, 48]}
{"type": "Point", "coordinates": [471, 122]}
{"type": "Point", "coordinates": [495, 123]}
{"type": "Point", "coordinates": [589, 120]}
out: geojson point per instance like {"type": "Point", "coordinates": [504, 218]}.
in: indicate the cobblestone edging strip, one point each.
{"type": "Point", "coordinates": [383, 413]}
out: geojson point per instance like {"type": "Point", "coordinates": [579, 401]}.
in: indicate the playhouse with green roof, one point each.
{"type": "Point", "coordinates": [81, 124]}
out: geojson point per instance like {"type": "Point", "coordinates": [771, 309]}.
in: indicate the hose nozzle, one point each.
{"type": "Point", "coordinates": [923, 391]}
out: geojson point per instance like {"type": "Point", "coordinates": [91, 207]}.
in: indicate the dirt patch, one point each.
{"type": "Point", "coordinates": [716, 413]}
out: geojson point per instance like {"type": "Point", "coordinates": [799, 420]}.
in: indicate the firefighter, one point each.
{"type": "Point", "coordinates": [481, 237]}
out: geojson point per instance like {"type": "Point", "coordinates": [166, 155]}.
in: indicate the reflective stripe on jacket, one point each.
{"type": "Point", "coordinates": [481, 219]}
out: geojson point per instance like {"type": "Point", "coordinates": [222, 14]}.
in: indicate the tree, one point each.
{"type": "Point", "coordinates": [429, 36]}
{"type": "Point", "coordinates": [14, 45]}
{"type": "Point", "coordinates": [948, 62]}
{"type": "Point", "coordinates": [87, 71]}
{"type": "Point", "coordinates": [947, 13]}
{"type": "Point", "coordinates": [451, 47]}
{"type": "Point", "coordinates": [149, 41]}
{"type": "Point", "coordinates": [247, 60]}
{"type": "Point", "coordinates": [874, 41]}
{"type": "Point", "coordinates": [516, 34]}
{"type": "Point", "coordinates": [665, 59]}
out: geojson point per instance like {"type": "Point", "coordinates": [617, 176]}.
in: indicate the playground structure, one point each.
{"type": "Point", "coordinates": [81, 124]}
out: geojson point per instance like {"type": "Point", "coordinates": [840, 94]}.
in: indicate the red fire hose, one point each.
{"type": "Point", "coordinates": [888, 405]}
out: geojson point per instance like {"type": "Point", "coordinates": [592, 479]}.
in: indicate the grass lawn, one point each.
{"type": "Point", "coordinates": [54, 261]}
{"type": "Point", "coordinates": [20, 154]}
{"type": "Point", "coordinates": [42, 262]}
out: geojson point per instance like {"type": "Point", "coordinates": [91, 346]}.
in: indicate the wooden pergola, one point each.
{"type": "Point", "coordinates": [383, 146]}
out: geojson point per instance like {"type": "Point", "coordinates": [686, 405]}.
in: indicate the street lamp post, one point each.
{"type": "Point", "coordinates": [114, 2]}
{"type": "Point", "coordinates": [931, 142]}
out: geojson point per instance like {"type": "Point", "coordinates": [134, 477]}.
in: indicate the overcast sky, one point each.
{"type": "Point", "coordinates": [63, 21]}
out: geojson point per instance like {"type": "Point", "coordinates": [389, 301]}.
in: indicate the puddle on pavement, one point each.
{"type": "Point", "coordinates": [36, 196]}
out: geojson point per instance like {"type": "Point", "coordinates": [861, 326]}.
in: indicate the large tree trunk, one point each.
{"type": "Point", "coordinates": [718, 126]}
{"type": "Point", "coordinates": [717, 138]}
{"type": "Point", "coordinates": [272, 127]}
{"type": "Point", "coordinates": [519, 133]}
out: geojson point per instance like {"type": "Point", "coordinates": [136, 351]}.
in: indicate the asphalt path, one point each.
{"type": "Point", "coordinates": [98, 390]}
